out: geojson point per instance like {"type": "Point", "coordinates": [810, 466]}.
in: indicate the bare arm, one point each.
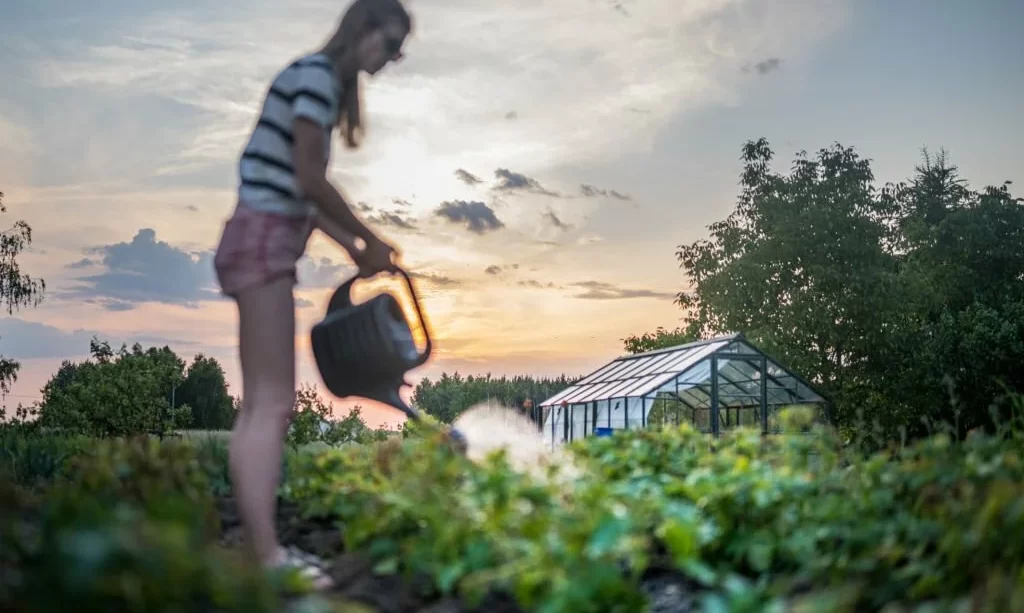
{"type": "Point", "coordinates": [311, 174]}
{"type": "Point", "coordinates": [337, 233]}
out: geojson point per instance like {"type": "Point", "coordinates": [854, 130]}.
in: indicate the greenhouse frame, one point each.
{"type": "Point", "coordinates": [715, 385]}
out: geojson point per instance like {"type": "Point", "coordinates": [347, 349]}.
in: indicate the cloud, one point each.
{"type": "Point", "coordinates": [573, 115]}
{"type": "Point", "coordinates": [596, 290]}
{"type": "Point", "coordinates": [555, 221]}
{"type": "Point", "coordinates": [436, 280]}
{"type": "Point", "coordinates": [401, 202]}
{"type": "Point", "coordinates": [476, 216]}
{"type": "Point", "coordinates": [495, 269]}
{"type": "Point", "coordinates": [28, 340]}
{"type": "Point", "coordinates": [590, 191]}
{"type": "Point", "coordinates": [535, 284]}
{"type": "Point", "coordinates": [83, 263]}
{"type": "Point", "coordinates": [393, 219]}
{"type": "Point", "coordinates": [150, 270]}
{"type": "Point", "coordinates": [145, 270]}
{"type": "Point", "coordinates": [467, 177]}
{"type": "Point", "coordinates": [764, 66]}
{"type": "Point", "coordinates": [509, 181]}
{"type": "Point", "coordinates": [322, 273]}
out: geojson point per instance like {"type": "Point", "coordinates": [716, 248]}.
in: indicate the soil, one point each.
{"type": "Point", "coordinates": [355, 581]}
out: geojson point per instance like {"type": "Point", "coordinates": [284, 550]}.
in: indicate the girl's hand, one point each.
{"type": "Point", "coordinates": [376, 258]}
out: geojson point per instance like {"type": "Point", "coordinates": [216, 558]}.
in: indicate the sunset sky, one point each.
{"type": "Point", "coordinates": [536, 161]}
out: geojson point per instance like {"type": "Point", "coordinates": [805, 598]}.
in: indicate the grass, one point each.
{"type": "Point", "coordinates": [204, 434]}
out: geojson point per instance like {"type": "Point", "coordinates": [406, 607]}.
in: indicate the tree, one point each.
{"type": "Point", "coordinates": [114, 394]}
{"type": "Point", "coordinates": [800, 266]}
{"type": "Point", "coordinates": [17, 289]}
{"type": "Point", "coordinates": [887, 298]}
{"type": "Point", "coordinates": [205, 389]}
{"type": "Point", "coordinates": [659, 339]}
{"type": "Point", "coordinates": [446, 398]}
{"type": "Point", "coordinates": [313, 421]}
{"type": "Point", "coordinates": [962, 343]}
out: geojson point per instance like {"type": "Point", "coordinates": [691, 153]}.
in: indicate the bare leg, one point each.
{"type": "Point", "coordinates": [267, 352]}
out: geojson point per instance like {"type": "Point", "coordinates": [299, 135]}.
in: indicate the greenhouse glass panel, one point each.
{"type": "Point", "coordinates": [596, 376]}
{"type": "Point", "coordinates": [580, 421]}
{"type": "Point", "coordinates": [678, 383]}
{"type": "Point", "coordinates": [636, 408]}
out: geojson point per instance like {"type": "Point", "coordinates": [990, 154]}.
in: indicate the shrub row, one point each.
{"type": "Point", "coordinates": [122, 525]}
{"type": "Point", "coordinates": [754, 523]}
{"type": "Point", "coordinates": [750, 523]}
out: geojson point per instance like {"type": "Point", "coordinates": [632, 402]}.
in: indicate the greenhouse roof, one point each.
{"type": "Point", "coordinates": [687, 370]}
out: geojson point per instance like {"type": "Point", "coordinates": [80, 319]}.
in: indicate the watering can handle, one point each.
{"type": "Point", "coordinates": [342, 298]}
{"type": "Point", "coordinates": [425, 354]}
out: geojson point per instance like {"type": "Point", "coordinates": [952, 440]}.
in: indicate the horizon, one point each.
{"type": "Point", "coordinates": [513, 157]}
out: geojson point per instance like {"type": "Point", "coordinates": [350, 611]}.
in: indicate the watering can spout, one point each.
{"type": "Point", "coordinates": [390, 397]}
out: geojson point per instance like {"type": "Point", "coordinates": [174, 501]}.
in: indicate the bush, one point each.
{"type": "Point", "coordinates": [30, 457]}
{"type": "Point", "coordinates": [313, 422]}
{"type": "Point", "coordinates": [130, 527]}
{"type": "Point", "coordinates": [754, 523]}
{"type": "Point", "coordinates": [112, 395]}
{"type": "Point", "coordinates": [165, 480]}
{"type": "Point", "coordinates": [749, 522]}
{"type": "Point", "coordinates": [124, 561]}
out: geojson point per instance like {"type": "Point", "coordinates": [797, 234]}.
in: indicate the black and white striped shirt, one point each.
{"type": "Point", "coordinates": [305, 88]}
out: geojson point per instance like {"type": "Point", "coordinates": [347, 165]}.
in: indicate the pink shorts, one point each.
{"type": "Point", "coordinates": [257, 247]}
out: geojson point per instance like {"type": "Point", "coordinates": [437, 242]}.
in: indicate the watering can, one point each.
{"type": "Point", "coordinates": [366, 349]}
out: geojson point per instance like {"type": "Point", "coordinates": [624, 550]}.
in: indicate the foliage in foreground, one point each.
{"type": "Point", "coordinates": [755, 523]}
{"type": "Point", "coordinates": [127, 525]}
{"type": "Point", "coordinates": [781, 523]}
{"type": "Point", "coordinates": [313, 422]}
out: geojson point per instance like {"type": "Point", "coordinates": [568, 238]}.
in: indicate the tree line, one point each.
{"type": "Point", "coordinates": [153, 390]}
{"type": "Point", "coordinates": [903, 302]}
{"type": "Point", "coordinates": [451, 394]}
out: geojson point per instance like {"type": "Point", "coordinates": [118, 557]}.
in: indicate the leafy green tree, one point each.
{"type": "Point", "coordinates": [446, 398]}
{"type": "Point", "coordinates": [903, 303]}
{"type": "Point", "coordinates": [961, 343]}
{"type": "Point", "coordinates": [452, 394]}
{"type": "Point", "coordinates": [309, 417]}
{"type": "Point", "coordinates": [313, 421]}
{"type": "Point", "coordinates": [659, 339]}
{"type": "Point", "coordinates": [800, 266]}
{"type": "Point", "coordinates": [17, 289]}
{"type": "Point", "coordinates": [205, 389]}
{"type": "Point", "coordinates": [114, 394]}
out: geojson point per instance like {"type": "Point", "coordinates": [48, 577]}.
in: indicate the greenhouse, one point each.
{"type": "Point", "coordinates": [715, 385]}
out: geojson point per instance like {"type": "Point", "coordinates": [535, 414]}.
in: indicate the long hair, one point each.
{"type": "Point", "coordinates": [361, 17]}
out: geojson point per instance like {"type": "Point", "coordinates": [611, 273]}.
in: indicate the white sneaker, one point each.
{"type": "Point", "coordinates": [309, 566]}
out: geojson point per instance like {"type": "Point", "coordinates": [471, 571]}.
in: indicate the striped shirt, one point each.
{"type": "Point", "coordinates": [305, 88]}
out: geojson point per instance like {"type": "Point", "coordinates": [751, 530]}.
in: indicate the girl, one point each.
{"type": "Point", "coordinates": [283, 195]}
